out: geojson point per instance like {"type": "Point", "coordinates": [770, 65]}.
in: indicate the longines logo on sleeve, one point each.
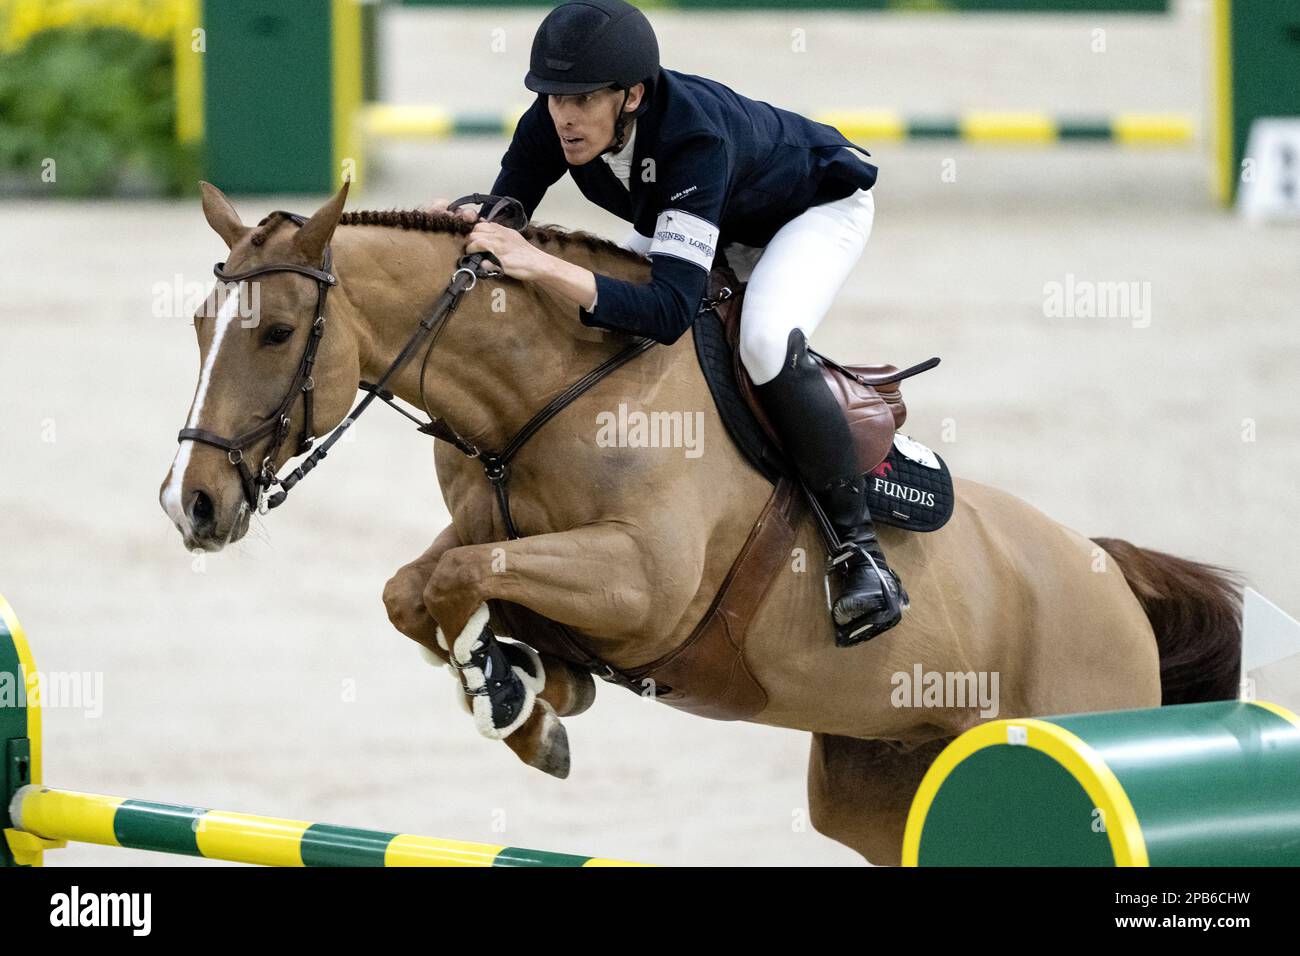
{"type": "Point", "coordinates": [684, 236]}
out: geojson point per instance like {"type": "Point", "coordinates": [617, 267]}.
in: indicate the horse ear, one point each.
{"type": "Point", "coordinates": [315, 234]}
{"type": "Point", "coordinates": [221, 215]}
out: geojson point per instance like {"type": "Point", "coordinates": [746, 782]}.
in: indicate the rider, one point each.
{"type": "Point", "coordinates": [697, 167]}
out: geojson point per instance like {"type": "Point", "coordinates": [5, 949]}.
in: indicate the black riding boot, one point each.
{"type": "Point", "coordinates": [816, 437]}
{"type": "Point", "coordinates": [865, 608]}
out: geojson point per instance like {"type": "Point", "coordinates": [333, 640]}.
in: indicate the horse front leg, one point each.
{"type": "Point", "coordinates": [568, 689]}
{"type": "Point", "coordinates": [404, 595]}
{"type": "Point", "coordinates": [598, 578]}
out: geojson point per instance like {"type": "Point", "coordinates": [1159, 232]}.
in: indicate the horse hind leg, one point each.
{"type": "Point", "coordinates": [860, 791]}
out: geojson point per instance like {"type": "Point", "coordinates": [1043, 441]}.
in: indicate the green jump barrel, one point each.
{"type": "Point", "coordinates": [1215, 784]}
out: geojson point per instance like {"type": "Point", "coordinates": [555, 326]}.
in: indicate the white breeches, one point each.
{"type": "Point", "coordinates": [797, 277]}
{"type": "Point", "coordinates": [793, 279]}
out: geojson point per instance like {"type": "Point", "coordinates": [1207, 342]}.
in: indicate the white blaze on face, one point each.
{"type": "Point", "coordinates": [171, 496]}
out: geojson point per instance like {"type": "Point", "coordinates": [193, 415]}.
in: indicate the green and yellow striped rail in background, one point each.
{"type": "Point", "coordinates": [35, 818]}
{"type": "Point", "coordinates": [416, 122]}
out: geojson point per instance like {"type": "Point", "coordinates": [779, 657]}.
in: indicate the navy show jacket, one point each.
{"type": "Point", "coordinates": [710, 167]}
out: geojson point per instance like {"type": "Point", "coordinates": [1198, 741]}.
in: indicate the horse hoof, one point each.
{"type": "Point", "coordinates": [545, 745]}
{"type": "Point", "coordinates": [584, 694]}
{"type": "Point", "coordinates": [554, 751]}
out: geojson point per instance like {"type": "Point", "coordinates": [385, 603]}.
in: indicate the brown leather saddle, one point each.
{"type": "Point", "coordinates": [869, 395]}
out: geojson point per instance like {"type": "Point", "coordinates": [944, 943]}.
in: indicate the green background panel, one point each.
{"type": "Point", "coordinates": [1265, 64]}
{"type": "Point", "coordinates": [268, 90]}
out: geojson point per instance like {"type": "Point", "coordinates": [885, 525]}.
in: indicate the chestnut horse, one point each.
{"type": "Point", "coordinates": [627, 546]}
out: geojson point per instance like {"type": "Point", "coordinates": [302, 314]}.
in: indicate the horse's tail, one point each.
{"type": "Point", "coordinates": [1195, 611]}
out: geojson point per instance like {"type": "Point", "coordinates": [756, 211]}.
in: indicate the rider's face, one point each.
{"type": "Point", "coordinates": [585, 121]}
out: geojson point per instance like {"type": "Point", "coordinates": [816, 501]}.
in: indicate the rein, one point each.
{"type": "Point", "coordinates": [496, 464]}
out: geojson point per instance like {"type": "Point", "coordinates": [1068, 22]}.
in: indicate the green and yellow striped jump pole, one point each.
{"type": "Point", "coordinates": [1215, 784]}
{"type": "Point", "coordinates": [977, 127]}
{"type": "Point", "coordinates": [57, 816]}
{"type": "Point", "coordinates": [35, 818]}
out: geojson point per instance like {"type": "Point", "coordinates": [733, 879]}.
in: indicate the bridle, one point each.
{"type": "Point", "coordinates": [496, 464]}
{"type": "Point", "coordinates": [257, 485]}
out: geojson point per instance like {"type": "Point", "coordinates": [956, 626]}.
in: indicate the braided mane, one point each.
{"type": "Point", "coordinates": [419, 221]}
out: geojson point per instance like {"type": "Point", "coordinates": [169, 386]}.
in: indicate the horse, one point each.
{"type": "Point", "coordinates": [628, 546]}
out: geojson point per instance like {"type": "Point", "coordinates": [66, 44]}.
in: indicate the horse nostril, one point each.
{"type": "Point", "coordinates": [202, 513]}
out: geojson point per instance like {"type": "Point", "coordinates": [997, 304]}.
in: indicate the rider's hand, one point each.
{"type": "Point", "coordinates": [519, 258]}
{"type": "Point", "coordinates": [469, 212]}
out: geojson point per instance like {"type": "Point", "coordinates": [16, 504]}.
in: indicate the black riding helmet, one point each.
{"type": "Point", "coordinates": [588, 45]}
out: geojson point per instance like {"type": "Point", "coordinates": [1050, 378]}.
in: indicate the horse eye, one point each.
{"type": "Point", "coordinates": [278, 334]}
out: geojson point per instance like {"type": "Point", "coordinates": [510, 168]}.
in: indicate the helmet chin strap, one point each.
{"type": "Point", "coordinates": [620, 127]}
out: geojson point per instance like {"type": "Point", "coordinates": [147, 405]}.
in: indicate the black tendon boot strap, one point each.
{"type": "Point", "coordinates": [501, 685]}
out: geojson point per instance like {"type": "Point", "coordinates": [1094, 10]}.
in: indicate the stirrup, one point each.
{"type": "Point", "coordinates": [862, 628]}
